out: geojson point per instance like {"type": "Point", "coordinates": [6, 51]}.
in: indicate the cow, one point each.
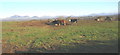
{"type": "Point", "coordinates": [98, 19]}
{"type": "Point", "coordinates": [63, 22]}
{"type": "Point", "coordinates": [59, 22]}
{"type": "Point", "coordinates": [101, 19]}
{"type": "Point", "coordinates": [108, 19]}
{"type": "Point", "coordinates": [56, 22]}
{"type": "Point", "coordinates": [73, 20]}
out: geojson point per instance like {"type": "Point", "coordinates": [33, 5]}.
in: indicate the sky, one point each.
{"type": "Point", "coordinates": [56, 7]}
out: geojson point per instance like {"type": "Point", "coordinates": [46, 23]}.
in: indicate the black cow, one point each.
{"type": "Point", "coordinates": [73, 20]}
{"type": "Point", "coordinates": [56, 22]}
{"type": "Point", "coordinates": [59, 22]}
{"type": "Point", "coordinates": [108, 19]}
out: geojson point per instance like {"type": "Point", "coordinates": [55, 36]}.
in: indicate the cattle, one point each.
{"type": "Point", "coordinates": [73, 20]}
{"type": "Point", "coordinates": [108, 19]}
{"type": "Point", "coordinates": [59, 22]}
{"type": "Point", "coordinates": [101, 19]}
{"type": "Point", "coordinates": [63, 22]}
{"type": "Point", "coordinates": [56, 22]}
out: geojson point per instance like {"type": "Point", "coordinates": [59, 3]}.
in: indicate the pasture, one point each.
{"type": "Point", "coordinates": [86, 36]}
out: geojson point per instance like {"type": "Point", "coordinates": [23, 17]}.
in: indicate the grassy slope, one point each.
{"type": "Point", "coordinates": [82, 37]}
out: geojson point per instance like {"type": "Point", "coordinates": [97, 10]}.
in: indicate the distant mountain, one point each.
{"type": "Point", "coordinates": [25, 18]}
{"type": "Point", "coordinates": [15, 16]}
{"type": "Point", "coordinates": [102, 14]}
{"type": "Point", "coordinates": [35, 17]}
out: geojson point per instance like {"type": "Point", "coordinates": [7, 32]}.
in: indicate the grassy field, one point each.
{"type": "Point", "coordinates": [82, 37]}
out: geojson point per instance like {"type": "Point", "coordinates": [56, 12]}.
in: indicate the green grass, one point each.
{"type": "Point", "coordinates": [63, 37]}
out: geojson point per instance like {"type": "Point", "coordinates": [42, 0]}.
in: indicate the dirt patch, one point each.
{"type": "Point", "coordinates": [38, 24]}
{"type": "Point", "coordinates": [33, 23]}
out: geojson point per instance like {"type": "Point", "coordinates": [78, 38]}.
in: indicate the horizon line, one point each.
{"type": "Point", "coordinates": [59, 15]}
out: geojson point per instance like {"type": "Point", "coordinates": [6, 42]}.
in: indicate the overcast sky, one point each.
{"type": "Point", "coordinates": [56, 7]}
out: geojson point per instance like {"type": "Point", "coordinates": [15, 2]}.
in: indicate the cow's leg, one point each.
{"type": "Point", "coordinates": [64, 23]}
{"type": "Point", "coordinates": [59, 24]}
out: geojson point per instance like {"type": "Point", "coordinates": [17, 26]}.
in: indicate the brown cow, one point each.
{"type": "Point", "coordinates": [63, 22]}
